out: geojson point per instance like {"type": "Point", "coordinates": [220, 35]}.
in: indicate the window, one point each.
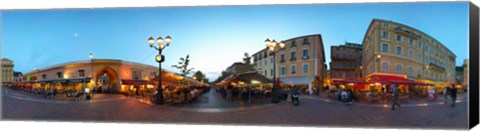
{"type": "Point", "coordinates": [431, 75]}
{"type": "Point", "coordinates": [305, 68]}
{"type": "Point", "coordinates": [410, 41]}
{"type": "Point", "coordinates": [385, 34]}
{"type": "Point", "coordinates": [419, 57]}
{"type": "Point", "coordinates": [271, 60]}
{"type": "Point", "coordinates": [293, 68]}
{"type": "Point", "coordinates": [337, 56]}
{"type": "Point", "coordinates": [399, 69]}
{"type": "Point", "coordinates": [293, 56]}
{"type": "Point", "coordinates": [293, 44]}
{"type": "Point", "coordinates": [344, 57]}
{"type": "Point", "coordinates": [305, 54]}
{"type": "Point", "coordinates": [136, 75]}
{"type": "Point", "coordinates": [420, 45]}
{"type": "Point", "coordinates": [419, 72]}
{"type": "Point", "coordinates": [385, 67]}
{"type": "Point", "coordinates": [351, 57]}
{"type": "Point", "coordinates": [283, 70]}
{"type": "Point", "coordinates": [265, 61]}
{"type": "Point", "coordinates": [271, 72]}
{"type": "Point", "coordinates": [59, 75]}
{"type": "Point", "coordinates": [282, 58]}
{"type": "Point", "coordinates": [265, 54]}
{"type": "Point", "coordinates": [399, 50]}
{"type": "Point", "coordinates": [384, 47]}
{"type": "Point", "coordinates": [410, 53]}
{"type": "Point", "coordinates": [265, 72]}
{"type": "Point", "coordinates": [399, 38]}
{"type": "Point", "coordinates": [410, 71]}
{"type": "Point", "coordinates": [426, 74]}
{"type": "Point", "coordinates": [81, 73]}
{"type": "Point", "coordinates": [44, 77]}
{"type": "Point", "coordinates": [305, 41]}
{"type": "Point", "coordinates": [385, 25]}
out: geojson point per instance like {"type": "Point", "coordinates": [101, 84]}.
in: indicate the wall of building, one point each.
{"type": "Point", "coordinates": [314, 59]}
{"type": "Point", "coordinates": [346, 61]}
{"type": "Point", "coordinates": [417, 50]}
{"type": "Point", "coordinates": [7, 71]}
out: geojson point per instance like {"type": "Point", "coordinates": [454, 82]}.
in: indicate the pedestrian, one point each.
{"type": "Point", "coordinates": [453, 94]}
{"type": "Point", "coordinates": [447, 95]}
{"type": "Point", "coordinates": [384, 90]}
{"type": "Point", "coordinates": [395, 97]}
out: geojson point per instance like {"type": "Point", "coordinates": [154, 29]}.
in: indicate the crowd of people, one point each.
{"type": "Point", "coordinates": [178, 95]}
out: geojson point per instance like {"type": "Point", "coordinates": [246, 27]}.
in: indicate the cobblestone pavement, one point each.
{"type": "Point", "coordinates": [311, 112]}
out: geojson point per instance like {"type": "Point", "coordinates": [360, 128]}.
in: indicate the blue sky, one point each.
{"type": "Point", "coordinates": [215, 36]}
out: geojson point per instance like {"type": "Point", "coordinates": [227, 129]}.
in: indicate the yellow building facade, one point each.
{"type": "Point", "coordinates": [103, 75]}
{"type": "Point", "coordinates": [300, 62]}
{"type": "Point", "coordinates": [398, 49]}
{"type": "Point", "coordinates": [7, 71]}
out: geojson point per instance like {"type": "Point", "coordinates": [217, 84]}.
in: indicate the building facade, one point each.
{"type": "Point", "coordinates": [263, 63]}
{"type": "Point", "coordinates": [238, 67]}
{"type": "Point", "coordinates": [7, 71]}
{"type": "Point", "coordinates": [391, 48]}
{"type": "Point", "coordinates": [301, 62]}
{"type": "Point", "coordinates": [101, 75]}
{"type": "Point", "coordinates": [465, 74]}
{"type": "Point", "coordinates": [346, 61]}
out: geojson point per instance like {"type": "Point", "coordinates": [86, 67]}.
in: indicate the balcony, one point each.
{"type": "Point", "coordinates": [436, 67]}
{"type": "Point", "coordinates": [293, 59]}
{"type": "Point", "coordinates": [305, 57]}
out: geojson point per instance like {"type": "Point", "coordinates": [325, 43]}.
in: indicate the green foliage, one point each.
{"type": "Point", "coordinates": [224, 75]}
{"type": "Point", "coordinates": [200, 76]}
{"type": "Point", "coordinates": [183, 66]}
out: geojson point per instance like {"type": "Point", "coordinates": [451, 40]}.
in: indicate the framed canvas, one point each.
{"type": "Point", "coordinates": [406, 65]}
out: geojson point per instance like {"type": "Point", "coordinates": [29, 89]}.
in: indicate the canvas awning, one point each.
{"type": "Point", "coordinates": [390, 79]}
{"type": "Point", "coordinates": [297, 80]}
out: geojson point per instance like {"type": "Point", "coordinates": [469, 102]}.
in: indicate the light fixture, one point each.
{"type": "Point", "coordinates": [151, 41]}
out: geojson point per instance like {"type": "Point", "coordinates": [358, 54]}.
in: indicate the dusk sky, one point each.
{"type": "Point", "coordinates": [214, 37]}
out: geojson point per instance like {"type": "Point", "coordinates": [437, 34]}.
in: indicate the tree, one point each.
{"type": "Point", "coordinates": [16, 74]}
{"type": "Point", "coordinates": [248, 66]}
{"type": "Point", "coordinates": [200, 76]}
{"type": "Point", "coordinates": [224, 75]}
{"type": "Point", "coordinates": [183, 66]}
{"type": "Point", "coordinates": [247, 59]}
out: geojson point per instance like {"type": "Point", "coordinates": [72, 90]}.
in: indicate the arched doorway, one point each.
{"type": "Point", "coordinates": [107, 81]}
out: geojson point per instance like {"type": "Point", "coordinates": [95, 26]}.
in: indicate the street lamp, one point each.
{"type": "Point", "coordinates": [271, 45]}
{"type": "Point", "coordinates": [91, 77]}
{"type": "Point", "coordinates": [378, 59]}
{"type": "Point", "coordinates": [159, 58]}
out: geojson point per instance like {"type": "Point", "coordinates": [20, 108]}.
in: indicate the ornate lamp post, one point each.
{"type": "Point", "coordinates": [91, 77]}
{"type": "Point", "coordinates": [159, 58]}
{"type": "Point", "coordinates": [271, 45]}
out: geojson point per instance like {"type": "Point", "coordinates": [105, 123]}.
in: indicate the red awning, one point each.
{"type": "Point", "coordinates": [391, 79]}
{"type": "Point", "coordinates": [354, 81]}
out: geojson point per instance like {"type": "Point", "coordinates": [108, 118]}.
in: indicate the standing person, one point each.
{"type": "Point", "coordinates": [447, 95]}
{"type": "Point", "coordinates": [384, 91]}
{"type": "Point", "coordinates": [395, 97]}
{"type": "Point", "coordinates": [453, 94]}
